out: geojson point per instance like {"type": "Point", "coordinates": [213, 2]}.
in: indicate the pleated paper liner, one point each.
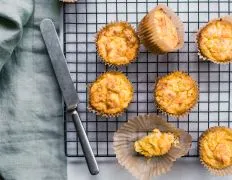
{"type": "Point", "coordinates": [101, 113]}
{"type": "Point", "coordinates": [218, 172]}
{"type": "Point", "coordinates": [201, 56]}
{"type": "Point", "coordinates": [170, 114]}
{"type": "Point", "coordinates": [126, 25]}
{"type": "Point", "coordinates": [139, 166]}
{"type": "Point", "coordinates": [151, 40]}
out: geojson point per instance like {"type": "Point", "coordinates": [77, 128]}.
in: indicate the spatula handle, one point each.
{"type": "Point", "coordinates": [87, 150]}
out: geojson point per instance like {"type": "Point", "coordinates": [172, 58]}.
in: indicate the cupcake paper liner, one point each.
{"type": "Point", "coordinates": [139, 166]}
{"type": "Point", "coordinates": [201, 56]}
{"type": "Point", "coordinates": [218, 172]}
{"type": "Point", "coordinates": [174, 115]}
{"type": "Point", "coordinates": [93, 110]}
{"type": "Point", "coordinates": [97, 48]}
{"type": "Point", "coordinates": [151, 40]}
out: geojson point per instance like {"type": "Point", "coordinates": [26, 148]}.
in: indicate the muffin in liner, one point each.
{"type": "Point", "coordinates": [198, 35]}
{"type": "Point", "coordinates": [151, 39]}
{"type": "Point", "coordinates": [218, 172]}
{"type": "Point", "coordinates": [193, 104]}
{"type": "Point", "coordinates": [114, 93]}
{"type": "Point", "coordinates": [115, 34]}
{"type": "Point", "coordinates": [142, 167]}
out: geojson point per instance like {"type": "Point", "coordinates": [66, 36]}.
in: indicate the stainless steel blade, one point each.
{"type": "Point", "coordinates": [59, 63]}
{"type": "Point", "coordinates": [66, 85]}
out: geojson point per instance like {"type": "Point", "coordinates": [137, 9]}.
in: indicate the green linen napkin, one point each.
{"type": "Point", "coordinates": [31, 112]}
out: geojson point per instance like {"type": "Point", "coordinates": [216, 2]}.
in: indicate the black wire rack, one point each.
{"type": "Point", "coordinates": [83, 19]}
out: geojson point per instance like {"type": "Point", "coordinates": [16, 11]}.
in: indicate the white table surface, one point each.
{"type": "Point", "coordinates": [183, 169]}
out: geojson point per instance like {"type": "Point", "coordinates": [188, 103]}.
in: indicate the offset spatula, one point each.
{"type": "Point", "coordinates": [67, 88]}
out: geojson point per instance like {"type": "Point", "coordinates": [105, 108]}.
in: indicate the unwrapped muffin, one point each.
{"type": "Point", "coordinates": [156, 143]}
{"type": "Point", "coordinates": [214, 40]}
{"type": "Point", "coordinates": [110, 94]}
{"type": "Point", "coordinates": [161, 30]}
{"type": "Point", "coordinates": [176, 94]}
{"type": "Point", "coordinates": [216, 150]}
{"type": "Point", "coordinates": [117, 44]}
{"type": "Point", "coordinates": [148, 146]}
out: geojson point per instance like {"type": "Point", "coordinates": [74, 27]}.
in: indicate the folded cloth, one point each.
{"type": "Point", "coordinates": [31, 112]}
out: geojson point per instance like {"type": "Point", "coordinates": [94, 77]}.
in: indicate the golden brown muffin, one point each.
{"type": "Point", "coordinates": [161, 31]}
{"type": "Point", "coordinates": [176, 93]}
{"type": "Point", "coordinates": [215, 41]}
{"type": "Point", "coordinates": [155, 144]}
{"type": "Point", "coordinates": [117, 44]}
{"type": "Point", "coordinates": [216, 147]}
{"type": "Point", "coordinates": [110, 94]}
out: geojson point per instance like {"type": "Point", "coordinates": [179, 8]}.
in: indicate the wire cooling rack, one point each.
{"type": "Point", "coordinates": [83, 19]}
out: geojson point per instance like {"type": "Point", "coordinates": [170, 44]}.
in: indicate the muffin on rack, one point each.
{"type": "Point", "coordinates": [161, 30]}
{"type": "Point", "coordinates": [214, 40]}
{"type": "Point", "coordinates": [117, 44]}
{"type": "Point", "coordinates": [110, 94]}
{"type": "Point", "coordinates": [215, 147]}
{"type": "Point", "coordinates": [148, 146]}
{"type": "Point", "coordinates": [176, 94]}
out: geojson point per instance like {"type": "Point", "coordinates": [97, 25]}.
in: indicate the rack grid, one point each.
{"type": "Point", "coordinates": [83, 19]}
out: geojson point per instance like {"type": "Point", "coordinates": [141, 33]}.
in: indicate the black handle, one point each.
{"type": "Point", "coordinates": [89, 156]}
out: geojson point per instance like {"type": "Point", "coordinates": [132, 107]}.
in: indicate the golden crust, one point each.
{"type": "Point", "coordinates": [155, 144]}
{"type": "Point", "coordinates": [215, 41]}
{"type": "Point", "coordinates": [216, 147]}
{"type": "Point", "coordinates": [176, 93]}
{"type": "Point", "coordinates": [165, 29]}
{"type": "Point", "coordinates": [117, 43]}
{"type": "Point", "coordinates": [110, 94]}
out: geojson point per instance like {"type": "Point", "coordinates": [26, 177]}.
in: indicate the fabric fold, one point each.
{"type": "Point", "coordinates": [31, 107]}
{"type": "Point", "coordinates": [14, 14]}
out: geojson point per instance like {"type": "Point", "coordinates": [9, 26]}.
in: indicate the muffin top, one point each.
{"type": "Point", "coordinates": [215, 41]}
{"type": "Point", "coordinates": [176, 93]}
{"type": "Point", "coordinates": [165, 29]}
{"type": "Point", "coordinates": [117, 43]}
{"type": "Point", "coordinates": [155, 144]}
{"type": "Point", "coordinates": [111, 93]}
{"type": "Point", "coordinates": [216, 147]}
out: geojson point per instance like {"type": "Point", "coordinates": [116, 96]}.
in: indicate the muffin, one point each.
{"type": "Point", "coordinates": [117, 44]}
{"type": "Point", "coordinates": [161, 30]}
{"type": "Point", "coordinates": [215, 40]}
{"type": "Point", "coordinates": [176, 94]}
{"type": "Point", "coordinates": [110, 94]}
{"type": "Point", "coordinates": [148, 146]}
{"type": "Point", "coordinates": [156, 143]}
{"type": "Point", "coordinates": [216, 150]}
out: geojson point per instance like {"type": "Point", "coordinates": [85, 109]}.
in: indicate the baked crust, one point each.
{"type": "Point", "coordinates": [216, 147]}
{"type": "Point", "coordinates": [117, 43]}
{"type": "Point", "coordinates": [155, 144]}
{"type": "Point", "coordinates": [215, 41]}
{"type": "Point", "coordinates": [110, 94]}
{"type": "Point", "coordinates": [165, 29]}
{"type": "Point", "coordinates": [176, 93]}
